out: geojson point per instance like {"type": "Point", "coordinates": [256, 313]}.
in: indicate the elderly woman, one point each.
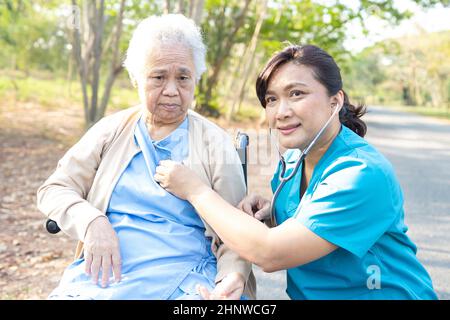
{"type": "Point", "coordinates": [103, 192]}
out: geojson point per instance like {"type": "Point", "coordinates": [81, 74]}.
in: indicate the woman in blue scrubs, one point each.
{"type": "Point", "coordinates": [340, 229]}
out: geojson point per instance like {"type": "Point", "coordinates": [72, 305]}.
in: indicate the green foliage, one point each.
{"type": "Point", "coordinates": [30, 36]}
{"type": "Point", "coordinates": [34, 36]}
{"type": "Point", "coordinates": [52, 93]}
{"type": "Point", "coordinates": [306, 22]}
{"type": "Point", "coordinates": [248, 112]}
{"type": "Point", "coordinates": [409, 71]}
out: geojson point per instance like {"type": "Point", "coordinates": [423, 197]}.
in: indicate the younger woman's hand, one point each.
{"type": "Point", "coordinates": [256, 206]}
{"type": "Point", "coordinates": [178, 179]}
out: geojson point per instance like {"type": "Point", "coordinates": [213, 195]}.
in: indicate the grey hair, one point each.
{"type": "Point", "coordinates": [155, 31]}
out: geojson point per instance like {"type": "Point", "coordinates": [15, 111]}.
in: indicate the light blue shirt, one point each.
{"type": "Point", "coordinates": [164, 251]}
{"type": "Point", "coordinates": [355, 202]}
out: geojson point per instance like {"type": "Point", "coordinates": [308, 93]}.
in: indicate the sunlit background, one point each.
{"type": "Point", "coordinates": [393, 54]}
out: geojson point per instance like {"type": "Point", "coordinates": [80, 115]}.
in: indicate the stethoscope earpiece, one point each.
{"type": "Point", "coordinates": [336, 105]}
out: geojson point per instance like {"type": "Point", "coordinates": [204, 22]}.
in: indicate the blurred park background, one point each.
{"type": "Point", "coordinates": [61, 71]}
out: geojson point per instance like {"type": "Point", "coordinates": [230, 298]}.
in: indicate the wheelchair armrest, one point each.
{"type": "Point", "coordinates": [242, 142]}
{"type": "Point", "coordinates": [52, 226]}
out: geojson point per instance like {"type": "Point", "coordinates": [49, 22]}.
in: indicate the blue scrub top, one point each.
{"type": "Point", "coordinates": [164, 251]}
{"type": "Point", "coordinates": [355, 202]}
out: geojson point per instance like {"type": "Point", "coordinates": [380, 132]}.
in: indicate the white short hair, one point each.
{"type": "Point", "coordinates": [155, 31]}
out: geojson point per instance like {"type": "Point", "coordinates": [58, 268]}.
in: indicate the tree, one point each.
{"type": "Point", "coordinates": [87, 41]}
{"type": "Point", "coordinates": [224, 19]}
{"type": "Point", "coordinates": [240, 36]}
{"type": "Point", "coordinates": [412, 70]}
{"type": "Point", "coordinates": [305, 22]}
{"type": "Point", "coordinates": [29, 36]}
{"type": "Point", "coordinates": [190, 8]}
{"type": "Point", "coordinates": [247, 60]}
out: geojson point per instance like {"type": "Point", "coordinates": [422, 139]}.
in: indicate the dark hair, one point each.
{"type": "Point", "coordinates": [325, 70]}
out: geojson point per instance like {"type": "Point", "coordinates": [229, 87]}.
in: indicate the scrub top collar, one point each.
{"type": "Point", "coordinates": [165, 142]}
{"type": "Point", "coordinates": [292, 155]}
{"type": "Point", "coordinates": [174, 135]}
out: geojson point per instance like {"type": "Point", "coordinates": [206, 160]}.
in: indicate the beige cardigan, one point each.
{"type": "Point", "coordinates": [80, 188]}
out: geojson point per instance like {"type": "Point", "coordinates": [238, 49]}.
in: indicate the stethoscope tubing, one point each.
{"type": "Point", "coordinates": [302, 157]}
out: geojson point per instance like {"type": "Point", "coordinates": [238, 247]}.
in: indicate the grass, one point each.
{"type": "Point", "coordinates": [248, 112]}
{"type": "Point", "coordinates": [55, 93]}
{"type": "Point", "coordinates": [47, 93]}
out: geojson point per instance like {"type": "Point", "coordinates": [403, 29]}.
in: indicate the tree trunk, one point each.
{"type": "Point", "coordinates": [166, 8]}
{"type": "Point", "coordinates": [78, 56]}
{"type": "Point", "coordinates": [115, 66]}
{"type": "Point", "coordinates": [181, 7]}
{"type": "Point", "coordinates": [97, 55]}
{"type": "Point", "coordinates": [196, 10]}
{"type": "Point", "coordinates": [237, 101]}
{"type": "Point", "coordinates": [221, 58]}
{"type": "Point", "coordinates": [87, 50]}
{"type": "Point", "coordinates": [69, 76]}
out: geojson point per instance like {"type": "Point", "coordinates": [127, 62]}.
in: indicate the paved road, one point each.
{"type": "Point", "coordinates": [419, 149]}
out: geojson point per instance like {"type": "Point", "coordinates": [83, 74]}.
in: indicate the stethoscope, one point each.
{"type": "Point", "coordinates": [302, 157]}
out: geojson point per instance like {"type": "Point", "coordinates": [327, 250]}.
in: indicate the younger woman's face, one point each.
{"type": "Point", "coordinates": [297, 105]}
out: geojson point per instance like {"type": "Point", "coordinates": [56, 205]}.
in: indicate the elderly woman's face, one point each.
{"type": "Point", "coordinates": [170, 83]}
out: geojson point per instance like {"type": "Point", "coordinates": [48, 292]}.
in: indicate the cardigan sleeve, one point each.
{"type": "Point", "coordinates": [62, 197]}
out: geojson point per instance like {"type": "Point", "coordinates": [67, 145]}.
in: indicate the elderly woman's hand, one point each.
{"type": "Point", "coordinates": [178, 179]}
{"type": "Point", "coordinates": [230, 288]}
{"type": "Point", "coordinates": [101, 251]}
